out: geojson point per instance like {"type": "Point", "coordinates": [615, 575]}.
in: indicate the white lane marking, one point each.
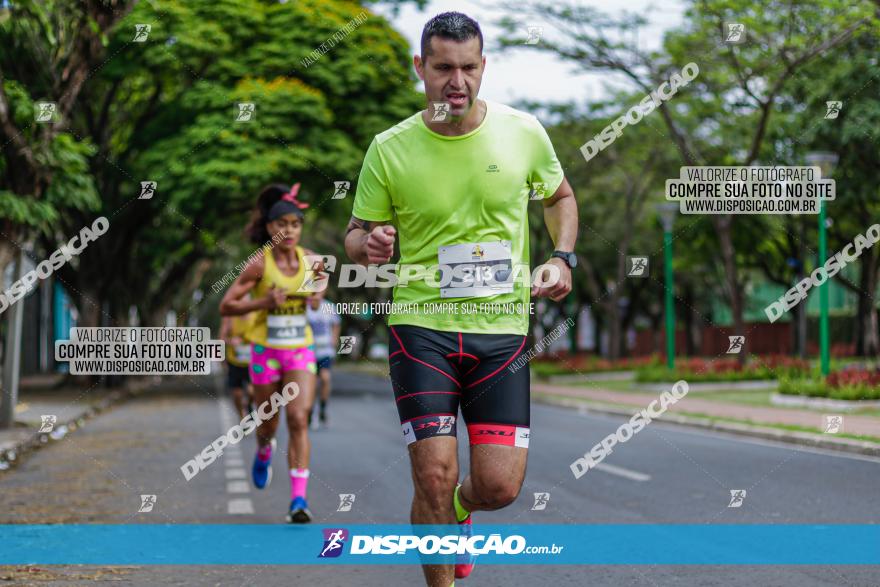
{"type": "Point", "coordinates": [240, 506]}
{"type": "Point", "coordinates": [234, 463]}
{"type": "Point", "coordinates": [237, 487]}
{"type": "Point", "coordinates": [235, 474]}
{"type": "Point", "coordinates": [627, 473]}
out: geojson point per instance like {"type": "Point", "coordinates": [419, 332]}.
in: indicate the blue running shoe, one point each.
{"type": "Point", "coordinates": [299, 511]}
{"type": "Point", "coordinates": [261, 473]}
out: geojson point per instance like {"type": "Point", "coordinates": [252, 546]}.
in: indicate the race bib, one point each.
{"type": "Point", "coordinates": [286, 331]}
{"type": "Point", "coordinates": [476, 269]}
{"type": "Point", "coordinates": [243, 353]}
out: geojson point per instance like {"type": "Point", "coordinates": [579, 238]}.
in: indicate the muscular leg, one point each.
{"type": "Point", "coordinates": [435, 473]}
{"type": "Point", "coordinates": [496, 477]}
{"type": "Point", "coordinates": [299, 449]}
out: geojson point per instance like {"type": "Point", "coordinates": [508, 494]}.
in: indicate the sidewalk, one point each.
{"type": "Point", "coordinates": [71, 407]}
{"type": "Point", "coordinates": [852, 424]}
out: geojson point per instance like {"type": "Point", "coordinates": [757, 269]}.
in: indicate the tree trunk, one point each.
{"type": "Point", "coordinates": [867, 335]}
{"type": "Point", "coordinates": [733, 286]}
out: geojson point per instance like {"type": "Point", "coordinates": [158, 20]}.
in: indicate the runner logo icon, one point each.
{"type": "Point", "coordinates": [541, 500]}
{"type": "Point", "coordinates": [346, 500]}
{"type": "Point", "coordinates": [735, 32]}
{"type": "Point", "coordinates": [538, 191]}
{"type": "Point", "coordinates": [441, 111]}
{"type": "Point", "coordinates": [346, 345]}
{"type": "Point", "coordinates": [147, 503]}
{"type": "Point", "coordinates": [48, 422]}
{"type": "Point", "coordinates": [341, 188]}
{"type": "Point", "coordinates": [334, 541]}
{"type": "Point", "coordinates": [446, 423]}
{"type": "Point", "coordinates": [45, 112]}
{"type": "Point", "coordinates": [148, 188]}
{"type": "Point", "coordinates": [638, 267]}
{"type": "Point", "coordinates": [141, 33]}
{"type": "Point", "coordinates": [245, 111]}
{"type": "Point", "coordinates": [833, 424]}
{"type": "Point", "coordinates": [736, 344]}
{"type": "Point", "coordinates": [833, 109]}
{"type": "Point", "coordinates": [737, 496]}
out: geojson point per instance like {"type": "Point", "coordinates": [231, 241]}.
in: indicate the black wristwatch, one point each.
{"type": "Point", "coordinates": [570, 258]}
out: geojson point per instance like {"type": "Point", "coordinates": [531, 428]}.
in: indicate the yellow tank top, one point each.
{"type": "Point", "coordinates": [285, 327]}
{"type": "Point", "coordinates": [240, 355]}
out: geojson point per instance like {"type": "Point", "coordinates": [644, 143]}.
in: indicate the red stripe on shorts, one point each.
{"type": "Point", "coordinates": [492, 434]}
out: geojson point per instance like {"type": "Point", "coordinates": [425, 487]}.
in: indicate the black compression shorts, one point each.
{"type": "Point", "coordinates": [433, 373]}
{"type": "Point", "coordinates": [236, 377]}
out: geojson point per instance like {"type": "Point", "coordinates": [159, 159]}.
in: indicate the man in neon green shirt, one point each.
{"type": "Point", "coordinates": [454, 181]}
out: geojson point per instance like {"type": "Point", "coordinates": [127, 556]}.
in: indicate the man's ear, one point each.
{"type": "Point", "coordinates": [417, 63]}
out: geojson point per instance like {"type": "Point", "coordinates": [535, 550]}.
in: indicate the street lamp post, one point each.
{"type": "Point", "coordinates": [826, 162]}
{"type": "Point", "coordinates": [667, 212]}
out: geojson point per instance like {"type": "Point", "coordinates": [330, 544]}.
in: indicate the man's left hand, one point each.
{"type": "Point", "coordinates": [546, 287]}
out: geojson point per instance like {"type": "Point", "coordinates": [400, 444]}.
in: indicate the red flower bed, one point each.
{"type": "Point", "coordinates": [851, 377]}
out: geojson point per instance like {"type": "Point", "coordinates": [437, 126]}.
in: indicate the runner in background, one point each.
{"type": "Point", "coordinates": [238, 357]}
{"type": "Point", "coordinates": [282, 351]}
{"type": "Point", "coordinates": [325, 325]}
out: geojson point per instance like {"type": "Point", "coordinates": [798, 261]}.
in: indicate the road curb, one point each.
{"type": "Point", "coordinates": [788, 436]}
{"type": "Point", "coordinates": [12, 455]}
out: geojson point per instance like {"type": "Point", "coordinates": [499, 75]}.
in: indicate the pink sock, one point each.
{"type": "Point", "coordinates": [299, 479]}
{"type": "Point", "coordinates": [264, 453]}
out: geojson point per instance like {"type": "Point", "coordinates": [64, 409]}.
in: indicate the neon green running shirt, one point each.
{"type": "Point", "coordinates": [470, 190]}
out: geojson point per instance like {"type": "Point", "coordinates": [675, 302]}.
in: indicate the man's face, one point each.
{"type": "Point", "coordinates": [452, 73]}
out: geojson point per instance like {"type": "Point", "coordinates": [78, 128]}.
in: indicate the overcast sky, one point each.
{"type": "Point", "coordinates": [529, 74]}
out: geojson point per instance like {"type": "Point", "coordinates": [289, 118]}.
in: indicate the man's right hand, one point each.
{"type": "Point", "coordinates": [380, 244]}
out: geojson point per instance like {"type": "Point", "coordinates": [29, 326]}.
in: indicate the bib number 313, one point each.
{"type": "Point", "coordinates": [476, 269]}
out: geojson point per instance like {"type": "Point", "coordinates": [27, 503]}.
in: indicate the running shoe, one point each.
{"type": "Point", "coordinates": [464, 563]}
{"type": "Point", "coordinates": [261, 473]}
{"type": "Point", "coordinates": [299, 511]}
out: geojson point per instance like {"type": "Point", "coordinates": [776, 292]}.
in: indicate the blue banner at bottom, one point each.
{"type": "Point", "coordinates": [614, 544]}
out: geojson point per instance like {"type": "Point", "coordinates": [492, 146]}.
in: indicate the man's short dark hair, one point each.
{"type": "Point", "coordinates": [450, 25]}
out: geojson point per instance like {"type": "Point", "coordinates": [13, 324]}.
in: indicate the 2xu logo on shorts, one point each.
{"type": "Point", "coordinates": [428, 426]}
{"type": "Point", "coordinates": [444, 425]}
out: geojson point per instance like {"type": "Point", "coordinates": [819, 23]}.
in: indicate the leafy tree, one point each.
{"type": "Point", "coordinates": [722, 117]}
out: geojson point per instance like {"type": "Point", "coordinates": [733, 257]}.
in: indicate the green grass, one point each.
{"type": "Point", "coordinates": [613, 385]}
{"type": "Point", "coordinates": [749, 397]}
{"type": "Point", "coordinates": [819, 388]}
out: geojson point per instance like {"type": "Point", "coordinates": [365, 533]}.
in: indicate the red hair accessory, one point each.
{"type": "Point", "coordinates": [291, 197]}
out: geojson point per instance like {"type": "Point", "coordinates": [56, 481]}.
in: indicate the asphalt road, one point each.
{"type": "Point", "coordinates": [665, 474]}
